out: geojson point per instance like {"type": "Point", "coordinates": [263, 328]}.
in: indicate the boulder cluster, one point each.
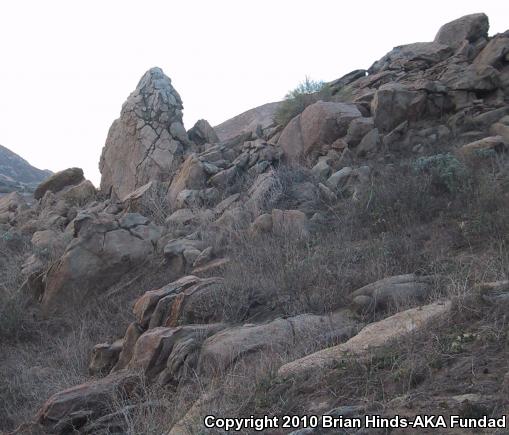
{"type": "Point", "coordinates": [415, 99]}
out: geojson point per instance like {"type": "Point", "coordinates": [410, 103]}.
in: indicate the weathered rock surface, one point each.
{"type": "Point", "coordinates": [104, 248]}
{"type": "Point", "coordinates": [370, 337]}
{"type": "Point", "coordinates": [419, 55]}
{"type": "Point", "coordinates": [395, 103]}
{"type": "Point", "coordinates": [58, 181]}
{"type": "Point", "coordinates": [319, 124]}
{"type": "Point", "coordinates": [202, 132]}
{"type": "Point", "coordinates": [187, 300]}
{"type": "Point", "coordinates": [231, 345]}
{"type": "Point", "coordinates": [247, 122]}
{"type": "Point", "coordinates": [72, 408]}
{"type": "Point", "coordinates": [148, 142]}
{"type": "Point", "coordinates": [470, 28]}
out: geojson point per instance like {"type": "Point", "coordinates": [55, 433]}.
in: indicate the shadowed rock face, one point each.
{"type": "Point", "coordinates": [148, 141]}
{"type": "Point", "coordinates": [58, 181]}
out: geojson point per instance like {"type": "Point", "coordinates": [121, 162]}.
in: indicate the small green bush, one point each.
{"type": "Point", "coordinates": [306, 93]}
{"type": "Point", "coordinates": [447, 173]}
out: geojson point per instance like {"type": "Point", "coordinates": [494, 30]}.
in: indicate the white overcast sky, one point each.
{"type": "Point", "coordinates": [67, 66]}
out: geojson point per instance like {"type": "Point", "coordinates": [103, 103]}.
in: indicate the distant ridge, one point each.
{"type": "Point", "coordinates": [16, 174]}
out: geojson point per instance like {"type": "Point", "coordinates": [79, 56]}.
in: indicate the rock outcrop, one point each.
{"type": "Point", "coordinates": [210, 209]}
{"type": "Point", "coordinates": [148, 142]}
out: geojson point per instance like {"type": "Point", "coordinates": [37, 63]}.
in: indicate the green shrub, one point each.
{"type": "Point", "coordinates": [306, 93]}
{"type": "Point", "coordinates": [446, 172]}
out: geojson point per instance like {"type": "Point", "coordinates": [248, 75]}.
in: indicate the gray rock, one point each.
{"type": "Point", "coordinates": [148, 141]}
{"type": "Point", "coordinates": [470, 27]}
{"type": "Point", "coordinates": [58, 181]}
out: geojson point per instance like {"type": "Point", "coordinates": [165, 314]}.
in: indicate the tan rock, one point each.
{"type": "Point", "coordinates": [289, 222]}
{"type": "Point", "coordinates": [146, 304]}
{"type": "Point", "coordinates": [191, 175]}
{"type": "Point", "coordinates": [319, 124]}
{"type": "Point", "coordinates": [148, 142]}
{"type": "Point", "coordinates": [231, 345]}
{"type": "Point", "coordinates": [157, 345]}
{"type": "Point", "coordinates": [375, 335]}
{"type": "Point", "coordinates": [495, 52]}
{"type": "Point", "coordinates": [104, 357]}
{"type": "Point", "coordinates": [80, 194]}
{"type": "Point", "coordinates": [495, 143]}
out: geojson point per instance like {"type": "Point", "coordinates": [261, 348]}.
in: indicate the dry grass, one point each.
{"type": "Point", "coordinates": [43, 356]}
{"type": "Point", "coordinates": [402, 225]}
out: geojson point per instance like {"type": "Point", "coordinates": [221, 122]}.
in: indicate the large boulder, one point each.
{"type": "Point", "coordinates": [373, 336]}
{"type": "Point", "coordinates": [58, 181]}
{"type": "Point", "coordinates": [470, 27]}
{"type": "Point", "coordinates": [191, 175]}
{"type": "Point", "coordinates": [319, 124]}
{"type": "Point", "coordinates": [148, 141]}
{"type": "Point", "coordinates": [231, 345]}
{"type": "Point", "coordinates": [395, 103]}
{"type": "Point", "coordinates": [187, 300]}
{"type": "Point", "coordinates": [103, 249]}
{"type": "Point", "coordinates": [166, 351]}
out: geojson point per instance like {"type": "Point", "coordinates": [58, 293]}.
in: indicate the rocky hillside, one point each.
{"type": "Point", "coordinates": [16, 174]}
{"type": "Point", "coordinates": [351, 263]}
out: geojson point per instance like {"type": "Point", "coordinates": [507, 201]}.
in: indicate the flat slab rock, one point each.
{"type": "Point", "coordinates": [372, 336]}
